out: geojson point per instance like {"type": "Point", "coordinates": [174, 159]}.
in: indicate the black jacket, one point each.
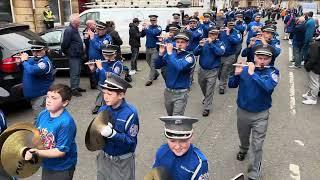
{"type": "Point", "coordinates": [134, 36]}
{"type": "Point", "coordinates": [72, 44]}
{"type": "Point", "coordinates": [116, 40]}
{"type": "Point", "coordinates": [313, 64]}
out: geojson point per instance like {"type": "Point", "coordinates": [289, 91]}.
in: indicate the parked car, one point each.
{"type": "Point", "coordinates": [13, 40]}
{"type": "Point", "coordinates": [54, 38]}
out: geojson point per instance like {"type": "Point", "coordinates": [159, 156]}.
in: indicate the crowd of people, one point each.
{"type": "Point", "coordinates": [215, 40]}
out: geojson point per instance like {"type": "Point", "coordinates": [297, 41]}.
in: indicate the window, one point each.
{"type": "Point", "coordinates": [53, 37]}
{"type": "Point", "coordinates": [89, 16]}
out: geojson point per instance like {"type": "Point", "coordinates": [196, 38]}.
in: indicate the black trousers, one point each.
{"type": "Point", "coordinates": [49, 24]}
{"type": "Point", "coordinates": [134, 57]}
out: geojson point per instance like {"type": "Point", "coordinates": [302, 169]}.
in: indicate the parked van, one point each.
{"type": "Point", "coordinates": [123, 16]}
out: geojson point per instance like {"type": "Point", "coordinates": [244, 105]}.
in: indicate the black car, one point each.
{"type": "Point", "coordinates": [13, 40]}
{"type": "Point", "coordinates": [54, 38]}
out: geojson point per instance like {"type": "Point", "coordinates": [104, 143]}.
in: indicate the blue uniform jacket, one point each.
{"type": "Point", "coordinates": [96, 44]}
{"type": "Point", "coordinates": [230, 41]}
{"type": "Point", "coordinates": [254, 94]}
{"type": "Point", "coordinates": [196, 36]}
{"type": "Point", "coordinates": [250, 29]}
{"type": "Point", "coordinates": [3, 122]}
{"type": "Point", "coordinates": [241, 26]}
{"type": "Point", "coordinates": [210, 54]}
{"type": "Point", "coordinates": [126, 125]}
{"type": "Point", "coordinates": [205, 26]}
{"type": "Point", "coordinates": [37, 77]}
{"type": "Point", "coordinates": [179, 69]}
{"type": "Point", "coordinates": [191, 166]}
{"type": "Point", "coordinates": [60, 133]}
{"type": "Point", "coordinates": [248, 52]}
{"type": "Point", "coordinates": [151, 34]}
{"type": "Point", "coordinates": [115, 67]}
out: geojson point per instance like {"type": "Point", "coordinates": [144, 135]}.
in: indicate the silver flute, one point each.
{"type": "Point", "coordinates": [162, 44]}
{"type": "Point", "coordinates": [244, 65]}
{"type": "Point", "coordinates": [93, 62]}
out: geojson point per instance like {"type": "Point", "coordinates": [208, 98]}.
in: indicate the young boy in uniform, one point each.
{"type": "Point", "coordinates": [101, 68]}
{"type": "Point", "coordinates": [256, 84]}
{"type": "Point", "coordinates": [179, 157]}
{"type": "Point", "coordinates": [116, 160]}
{"type": "Point", "coordinates": [57, 132]}
{"type": "Point", "coordinates": [38, 75]}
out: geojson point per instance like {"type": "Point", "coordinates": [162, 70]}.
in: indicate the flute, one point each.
{"type": "Point", "coordinates": [17, 56]}
{"type": "Point", "coordinates": [93, 62]}
{"type": "Point", "coordinates": [162, 44]}
{"type": "Point", "coordinates": [244, 65]}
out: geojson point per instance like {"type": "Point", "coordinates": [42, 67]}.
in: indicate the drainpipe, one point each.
{"type": "Point", "coordinates": [34, 15]}
{"type": "Point", "coordinates": [12, 12]}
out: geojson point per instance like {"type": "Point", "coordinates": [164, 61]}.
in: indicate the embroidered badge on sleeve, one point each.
{"type": "Point", "coordinates": [134, 129]}
{"type": "Point", "coordinates": [42, 65]}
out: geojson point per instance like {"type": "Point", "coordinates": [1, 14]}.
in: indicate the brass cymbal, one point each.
{"type": "Point", "coordinates": [93, 139]}
{"type": "Point", "coordinates": [14, 128]}
{"type": "Point", "coordinates": [158, 173]}
{"type": "Point", "coordinates": [13, 151]}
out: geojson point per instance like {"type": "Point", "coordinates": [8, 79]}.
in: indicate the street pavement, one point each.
{"type": "Point", "coordinates": [291, 148]}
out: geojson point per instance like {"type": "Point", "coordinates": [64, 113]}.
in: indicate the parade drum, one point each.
{"type": "Point", "coordinates": [13, 152]}
{"type": "Point", "coordinates": [94, 140]}
{"type": "Point", "coordinates": [158, 173]}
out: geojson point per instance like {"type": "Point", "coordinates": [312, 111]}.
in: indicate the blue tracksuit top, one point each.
{"type": "Point", "coordinates": [58, 132]}
{"type": "Point", "coordinates": [254, 94]}
{"type": "Point", "coordinates": [250, 29]}
{"type": "Point", "coordinates": [192, 165]}
{"type": "Point", "coordinates": [37, 77]}
{"type": "Point", "coordinates": [248, 52]}
{"type": "Point", "coordinates": [241, 26]}
{"type": "Point", "coordinates": [126, 125]}
{"type": "Point", "coordinates": [310, 29]}
{"type": "Point", "coordinates": [96, 44]}
{"type": "Point", "coordinates": [210, 54]}
{"type": "Point", "coordinates": [230, 41]}
{"type": "Point", "coordinates": [151, 34]}
{"type": "Point", "coordinates": [196, 36]}
{"type": "Point", "coordinates": [115, 67]}
{"type": "Point", "coordinates": [205, 26]}
{"type": "Point", "coordinates": [179, 69]}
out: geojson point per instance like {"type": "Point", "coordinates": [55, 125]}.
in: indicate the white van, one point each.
{"type": "Point", "coordinates": [122, 17]}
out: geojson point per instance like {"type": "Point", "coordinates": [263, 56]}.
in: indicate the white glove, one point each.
{"type": "Point", "coordinates": [106, 131]}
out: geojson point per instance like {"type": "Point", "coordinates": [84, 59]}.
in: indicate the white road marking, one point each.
{"type": "Point", "coordinates": [294, 171]}
{"type": "Point", "coordinates": [292, 94]}
{"type": "Point", "coordinates": [290, 54]}
{"type": "Point", "coordinates": [299, 142]}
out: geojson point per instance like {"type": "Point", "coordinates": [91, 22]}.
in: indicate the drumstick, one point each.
{"type": "Point", "coordinates": [244, 65]}
{"type": "Point", "coordinates": [162, 44]}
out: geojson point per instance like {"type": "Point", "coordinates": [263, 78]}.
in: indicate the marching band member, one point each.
{"type": "Point", "coordinates": [231, 39]}
{"type": "Point", "coordinates": [241, 26]}
{"type": "Point", "coordinates": [151, 32]}
{"type": "Point", "coordinates": [253, 27]}
{"type": "Point", "coordinates": [57, 134]}
{"type": "Point", "coordinates": [195, 32]}
{"type": "Point", "coordinates": [206, 24]}
{"type": "Point", "coordinates": [210, 52]}
{"type": "Point", "coordinates": [256, 85]}
{"type": "Point", "coordinates": [101, 68]}
{"type": "Point", "coordinates": [117, 160]}
{"type": "Point", "coordinates": [266, 39]}
{"type": "Point", "coordinates": [179, 65]}
{"type": "Point", "coordinates": [38, 75]}
{"type": "Point", "coordinates": [179, 157]}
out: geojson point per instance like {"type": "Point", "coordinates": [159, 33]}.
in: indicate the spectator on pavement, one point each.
{"type": "Point", "coordinates": [134, 41]}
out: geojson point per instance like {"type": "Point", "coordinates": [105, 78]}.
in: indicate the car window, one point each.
{"type": "Point", "coordinates": [93, 16]}
{"type": "Point", "coordinates": [53, 37]}
{"type": "Point", "coordinates": [18, 40]}
{"type": "Point", "coordinates": [83, 19]}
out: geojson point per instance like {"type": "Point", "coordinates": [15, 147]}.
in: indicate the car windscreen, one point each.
{"type": "Point", "coordinates": [18, 40]}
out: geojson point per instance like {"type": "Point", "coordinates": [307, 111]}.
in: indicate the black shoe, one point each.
{"type": "Point", "coordinates": [221, 91]}
{"type": "Point", "coordinates": [76, 93]}
{"type": "Point", "coordinates": [156, 76]}
{"type": "Point", "coordinates": [148, 83]}
{"type": "Point", "coordinates": [95, 110]}
{"type": "Point", "coordinates": [128, 78]}
{"type": "Point", "coordinates": [205, 113]}
{"type": "Point", "coordinates": [319, 93]}
{"type": "Point", "coordinates": [241, 156]}
{"type": "Point", "coordinates": [81, 90]}
{"type": "Point", "coordinates": [251, 179]}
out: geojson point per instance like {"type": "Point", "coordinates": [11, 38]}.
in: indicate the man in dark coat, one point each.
{"type": "Point", "coordinates": [134, 41]}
